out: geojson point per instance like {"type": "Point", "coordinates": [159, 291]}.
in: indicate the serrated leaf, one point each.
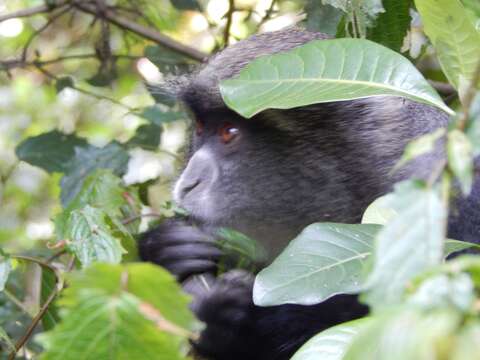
{"type": "Point", "coordinates": [113, 156]}
{"type": "Point", "coordinates": [158, 116]}
{"type": "Point", "coordinates": [325, 71]}
{"type": "Point", "coordinates": [91, 237]}
{"type": "Point", "coordinates": [332, 343]}
{"type": "Point", "coordinates": [101, 189]}
{"type": "Point", "coordinates": [105, 316]}
{"type": "Point", "coordinates": [324, 260]}
{"type": "Point", "coordinates": [392, 25]}
{"type": "Point", "coordinates": [146, 137]}
{"type": "Point", "coordinates": [454, 37]}
{"type": "Point", "coordinates": [408, 244]}
{"type": "Point", "coordinates": [460, 159]}
{"type": "Point", "coordinates": [5, 269]}
{"type": "Point", "coordinates": [52, 151]}
{"type": "Point", "coordinates": [63, 83]}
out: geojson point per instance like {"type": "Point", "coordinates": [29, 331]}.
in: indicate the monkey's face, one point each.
{"type": "Point", "coordinates": [251, 175]}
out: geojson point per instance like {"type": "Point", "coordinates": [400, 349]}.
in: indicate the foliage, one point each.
{"type": "Point", "coordinates": [78, 124]}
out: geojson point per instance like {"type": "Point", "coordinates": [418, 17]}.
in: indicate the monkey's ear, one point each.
{"type": "Point", "coordinates": [169, 90]}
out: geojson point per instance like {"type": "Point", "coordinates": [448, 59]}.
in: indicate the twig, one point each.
{"type": "Point", "coordinates": [141, 30]}
{"type": "Point", "coordinates": [41, 9]}
{"type": "Point", "coordinates": [228, 26]}
{"type": "Point", "coordinates": [19, 63]}
{"type": "Point", "coordinates": [41, 29]}
{"type": "Point", "coordinates": [468, 98]}
{"type": "Point", "coordinates": [268, 14]}
{"type": "Point", "coordinates": [59, 286]}
{"type": "Point", "coordinates": [86, 92]}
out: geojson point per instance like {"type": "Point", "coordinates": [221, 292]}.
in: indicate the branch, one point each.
{"type": "Point", "coordinates": [142, 31]}
{"type": "Point", "coordinates": [41, 9]}
{"type": "Point", "coordinates": [59, 286]}
{"type": "Point", "coordinates": [229, 15]}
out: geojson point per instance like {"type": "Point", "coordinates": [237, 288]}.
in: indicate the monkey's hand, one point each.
{"type": "Point", "coordinates": [181, 248]}
{"type": "Point", "coordinates": [229, 315]}
{"type": "Point", "coordinates": [236, 329]}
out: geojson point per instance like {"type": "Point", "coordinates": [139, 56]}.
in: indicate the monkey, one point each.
{"type": "Point", "coordinates": [269, 177]}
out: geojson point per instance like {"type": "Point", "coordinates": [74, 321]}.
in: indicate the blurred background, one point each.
{"type": "Point", "coordinates": [108, 67]}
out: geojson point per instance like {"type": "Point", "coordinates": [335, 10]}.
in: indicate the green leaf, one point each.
{"type": "Point", "coordinates": [453, 246]}
{"type": "Point", "coordinates": [324, 260]}
{"type": "Point", "coordinates": [420, 146]}
{"type": "Point", "coordinates": [5, 269]}
{"type": "Point", "coordinates": [49, 283]}
{"type": "Point", "coordinates": [444, 290]}
{"type": "Point", "coordinates": [113, 156]}
{"type": "Point", "coordinates": [460, 159]}
{"type": "Point", "coordinates": [454, 37]}
{"type": "Point", "coordinates": [408, 244]}
{"type": "Point", "coordinates": [322, 18]}
{"type": "Point", "coordinates": [158, 116]}
{"type": "Point", "coordinates": [331, 344]}
{"type": "Point", "coordinates": [325, 71]}
{"type": "Point", "coordinates": [392, 25]}
{"type": "Point", "coordinates": [406, 334]}
{"type": "Point", "coordinates": [186, 4]}
{"type": "Point", "coordinates": [52, 151]}
{"type": "Point", "coordinates": [146, 137]}
{"type": "Point", "coordinates": [91, 236]}
{"type": "Point", "coordinates": [167, 60]}
{"type": "Point", "coordinates": [101, 189]}
{"type": "Point", "coordinates": [5, 339]}
{"type": "Point", "coordinates": [137, 311]}
{"type": "Point", "coordinates": [63, 83]}
{"type": "Point", "coordinates": [245, 252]}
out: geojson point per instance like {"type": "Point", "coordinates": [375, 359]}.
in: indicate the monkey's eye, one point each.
{"type": "Point", "coordinates": [228, 132]}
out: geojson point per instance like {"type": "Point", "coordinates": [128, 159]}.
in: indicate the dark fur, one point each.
{"type": "Point", "coordinates": [323, 162]}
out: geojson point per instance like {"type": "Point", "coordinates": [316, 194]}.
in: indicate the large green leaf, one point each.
{"type": "Point", "coordinates": [50, 151]}
{"type": "Point", "coordinates": [121, 312]}
{"type": "Point", "coordinates": [392, 25]}
{"type": "Point", "coordinates": [324, 71]}
{"type": "Point", "coordinates": [92, 236]}
{"type": "Point", "coordinates": [408, 244]}
{"type": "Point", "coordinates": [113, 156]}
{"type": "Point", "coordinates": [331, 344]}
{"type": "Point", "coordinates": [324, 260]}
{"type": "Point", "coordinates": [406, 334]}
{"type": "Point", "coordinates": [455, 38]}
